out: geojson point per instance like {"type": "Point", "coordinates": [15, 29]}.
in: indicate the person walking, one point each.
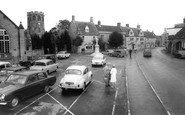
{"type": "Point", "coordinates": [113, 73]}
{"type": "Point", "coordinates": [107, 76]}
{"type": "Point", "coordinates": [130, 53]}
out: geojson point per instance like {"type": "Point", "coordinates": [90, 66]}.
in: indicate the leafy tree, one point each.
{"type": "Point", "coordinates": [77, 41]}
{"type": "Point", "coordinates": [36, 42]}
{"type": "Point", "coordinates": [63, 24]}
{"type": "Point", "coordinates": [101, 44]}
{"type": "Point", "coordinates": [115, 40]}
{"type": "Point", "coordinates": [47, 43]}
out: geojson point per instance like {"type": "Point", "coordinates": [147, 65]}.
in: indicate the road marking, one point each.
{"type": "Point", "coordinates": [34, 101]}
{"type": "Point", "coordinates": [115, 101]}
{"type": "Point", "coordinates": [61, 104]}
{"type": "Point", "coordinates": [153, 89]}
{"type": "Point", "coordinates": [99, 82]}
{"type": "Point", "coordinates": [128, 102]}
{"type": "Point", "coordinates": [78, 98]}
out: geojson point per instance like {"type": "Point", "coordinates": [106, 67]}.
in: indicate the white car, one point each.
{"type": "Point", "coordinates": [76, 77]}
{"type": "Point", "coordinates": [46, 65]}
{"type": "Point", "coordinates": [99, 60]}
{"type": "Point", "coordinates": [62, 54]}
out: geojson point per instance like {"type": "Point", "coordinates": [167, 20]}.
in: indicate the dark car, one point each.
{"type": "Point", "coordinates": [147, 53]}
{"type": "Point", "coordinates": [21, 85]}
{"type": "Point", "coordinates": [5, 72]}
{"type": "Point", "coordinates": [118, 53]}
{"type": "Point", "coordinates": [48, 56]}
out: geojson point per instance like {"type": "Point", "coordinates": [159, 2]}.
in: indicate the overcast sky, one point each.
{"type": "Point", "coordinates": [152, 15]}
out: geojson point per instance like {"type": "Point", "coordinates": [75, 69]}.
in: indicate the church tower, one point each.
{"type": "Point", "coordinates": [35, 23]}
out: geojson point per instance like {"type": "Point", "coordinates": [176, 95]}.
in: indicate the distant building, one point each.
{"type": "Point", "coordinates": [150, 39]}
{"type": "Point", "coordinates": [87, 31]}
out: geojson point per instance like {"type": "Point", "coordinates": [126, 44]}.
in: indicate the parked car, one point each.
{"type": "Point", "coordinates": [4, 64]}
{"type": "Point", "coordinates": [147, 53]}
{"type": "Point", "coordinates": [46, 65]}
{"type": "Point", "coordinates": [98, 60]}
{"type": "Point", "coordinates": [62, 54]}
{"type": "Point", "coordinates": [110, 51]}
{"type": "Point", "coordinates": [118, 53]}
{"type": "Point", "coordinates": [21, 85]}
{"type": "Point", "coordinates": [76, 77]}
{"type": "Point", "coordinates": [48, 56]}
{"type": "Point", "coordinates": [5, 72]}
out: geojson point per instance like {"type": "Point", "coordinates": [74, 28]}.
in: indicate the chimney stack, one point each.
{"type": "Point", "coordinates": [119, 24]}
{"type": "Point", "coordinates": [99, 23]}
{"type": "Point", "coordinates": [73, 18]}
{"type": "Point", "coordinates": [138, 26]}
{"type": "Point", "coordinates": [91, 20]}
{"type": "Point", "coordinates": [127, 25]}
{"type": "Point", "coordinates": [184, 20]}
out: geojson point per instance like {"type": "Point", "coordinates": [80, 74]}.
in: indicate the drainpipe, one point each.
{"type": "Point", "coordinates": [19, 44]}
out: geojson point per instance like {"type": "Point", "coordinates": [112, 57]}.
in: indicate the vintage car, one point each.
{"type": "Point", "coordinates": [5, 72]}
{"type": "Point", "coordinates": [62, 54]}
{"type": "Point", "coordinates": [147, 53]}
{"type": "Point", "coordinates": [118, 53]}
{"type": "Point", "coordinates": [21, 85]}
{"type": "Point", "coordinates": [76, 77]}
{"type": "Point", "coordinates": [4, 64]}
{"type": "Point", "coordinates": [46, 65]}
{"type": "Point", "coordinates": [98, 60]}
{"type": "Point", "coordinates": [48, 56]}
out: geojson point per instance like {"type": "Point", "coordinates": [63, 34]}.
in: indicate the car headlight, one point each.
{"type": "Point", "coordinates": [2, 96]}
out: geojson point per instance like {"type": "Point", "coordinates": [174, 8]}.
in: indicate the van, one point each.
{"type": "Point", "coordinates": [4, 64]}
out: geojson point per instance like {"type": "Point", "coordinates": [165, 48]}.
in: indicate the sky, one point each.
{"type": "Point", "coordinates": [151, 15]}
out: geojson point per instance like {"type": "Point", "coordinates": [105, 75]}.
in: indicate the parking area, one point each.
{"type": "Point", "coordinates": [95, 99]}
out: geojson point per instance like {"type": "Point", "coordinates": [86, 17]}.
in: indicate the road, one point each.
{"type": "Point", "coordinates": [156, 85]}
{"type": "Point", "coordinates": [95, 100]}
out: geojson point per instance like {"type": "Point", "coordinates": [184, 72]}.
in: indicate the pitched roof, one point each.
{"type": "Point", "coordinates": [148, 34]}
{"type": "Point", "coordinates": [172, 31]}
{"type": "Point", "coordinates": [108, 28]}
{"type": "Point", "coordinates": [180, 34]}
{"type": "Point", "coordinates": [127, 29]}
{"type": "Point", "coordinates": [80, 26]}
{"type": "Point", "coordinates": [9, 19]}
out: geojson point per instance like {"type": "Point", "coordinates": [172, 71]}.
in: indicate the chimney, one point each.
{"type": "Point", "coordinates": [73, 18]}
{"type": "Point", "coordinates": [138, 26]}
{"type": "Point", "coordinates": [184, 20]}
{"type": "Point", "coordinates": [91, 20]}
{"type": "Point", "coordinates": [119, 24]}
{"type": "Point", "coordinates": [99, 23]}
{"type": "Point", "coordinates": [127, 25]}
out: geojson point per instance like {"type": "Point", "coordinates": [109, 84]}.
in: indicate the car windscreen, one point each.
{"type": "Point", "coordinates": [16, 79]}
{"type": "Point", "coordinates": [97, 58]}
{"type": "Point", "coordinates": [39, 64]}
{"type": "Point", "coordinates": [73, 71]}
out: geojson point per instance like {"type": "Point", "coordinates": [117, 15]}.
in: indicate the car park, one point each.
{"type": "Point", "coordinates": [147, 53]}
{"type": "Point", "coordinates": [46, 65]}
{"type": "Point", "coordinates": [98, 60]}
{"type": "Point", "coordinates": [21, 85]}
{"type": "Point", "coordinates": [48, 56]}
{"type": "Point", "coordinates": [76, 77]}
{"type": "Point", "coordinates": [62, 55]}
{"type": "Point", "coordinates": [118, 53]}
{"type": "Point", "coordinates": [4, 64]}
{"type": "Point", "coordinates": [5, 72]}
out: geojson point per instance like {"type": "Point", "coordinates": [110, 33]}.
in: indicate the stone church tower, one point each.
{"type": "Point", "coordinates": [35, 23]}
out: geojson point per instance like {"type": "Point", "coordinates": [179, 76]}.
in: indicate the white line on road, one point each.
{"type": "Point", "coordinates": [114, 101]}
{"type": "Point", "coordinates": [78, 98]}
{"type": "Point", "coordinates": [61, 105]}
{"type": "Point", "coordinates": [153, 89]}
{"type": "Point", "coordinates": [128, 100]}
{"type": "Point", "coordinates": [34, 101]}
{"type": "Point", "coordinates": [99, 82]}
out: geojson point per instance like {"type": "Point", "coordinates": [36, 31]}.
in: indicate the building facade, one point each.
{"type": "Point", "coordinates": [87, 31]}
{"type": "Point", "coordinates": [150, 39]}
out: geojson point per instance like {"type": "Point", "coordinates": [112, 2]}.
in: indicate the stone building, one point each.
{"type": "Point", "coordinates": [150, 39]}
{"type": "Point", "coordinates": [87, 31]}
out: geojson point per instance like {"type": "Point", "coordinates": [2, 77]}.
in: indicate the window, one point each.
{"type": "Point", "coordinates": [141, 39]}
{"type": "Point", "coordinates": [86, 29]}
{"type": "Point", "coordinates": [4, 41]}
{"type": "Point", "coordinates": [39, 18]}
{"type": "Point", "coordinates": [41, 76]}
{"type": "Point", "coordinates": [34, 17]}
{"type": "Point", "coordinates": [32, 78]}
{"type": "Point", "coordinates": [131, 39]}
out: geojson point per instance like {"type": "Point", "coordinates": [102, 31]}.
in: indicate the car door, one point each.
{"type": "Point", "coordinates": [42, 80]}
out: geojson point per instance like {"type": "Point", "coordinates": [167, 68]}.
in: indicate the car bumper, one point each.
{"type": "Point", "coordinates": [97, 63]}
{"type": "Point", "coordinates": [65, 86]}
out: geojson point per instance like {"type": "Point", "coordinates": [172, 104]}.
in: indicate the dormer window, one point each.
{"type": "Point", "coordinates": [86, 29]}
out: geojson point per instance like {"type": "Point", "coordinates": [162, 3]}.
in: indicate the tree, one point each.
{"type": "Point", "coordinates": [47, 43]}
{"type": "Point", "coordinates": [77, 41]}
{"type": "Point", "coordinates": [115, 40]}
{"type": "Point", "coordinates": [36, 42]}
{"type": "Point", "coordinates": [63, 25]}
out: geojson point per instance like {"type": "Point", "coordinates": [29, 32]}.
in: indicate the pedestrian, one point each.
{"type": "Point", "coordinates": [130, 53]}
{"type": "Point", "coordinates": [107, 76]}
{"type": "Point", "coordinates": [113, 73]}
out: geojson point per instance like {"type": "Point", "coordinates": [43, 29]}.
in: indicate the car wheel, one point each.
{"type": "Point", "coordinates": [46, 89]}
{"type": "Point", "coordinates": [14, 102]}
{"type": "Point", "coordinates": [84, 87]}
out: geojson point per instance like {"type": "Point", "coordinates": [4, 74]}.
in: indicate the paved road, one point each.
{"type": "Point", "coordinates": [95, 100]}
{"type": "Point", "coordinates": [163, 73]}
